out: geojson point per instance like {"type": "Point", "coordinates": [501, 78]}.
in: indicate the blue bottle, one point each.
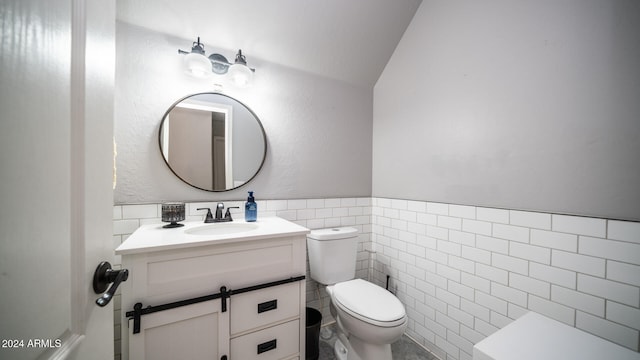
{"type": "Point", "coordinates": [250, 208]}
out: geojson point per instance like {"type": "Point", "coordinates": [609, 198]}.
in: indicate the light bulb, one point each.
{"type": "Point", "coordinates": [197, 65]}
{"type": "Point", "coordinates": [240, 75]}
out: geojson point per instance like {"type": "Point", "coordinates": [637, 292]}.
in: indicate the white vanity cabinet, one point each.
{"type": "Point", "coordinates": [236, 297]}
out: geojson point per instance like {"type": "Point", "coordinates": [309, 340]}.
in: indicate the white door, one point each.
{"type": "Point", "coordinates": [56, 156]}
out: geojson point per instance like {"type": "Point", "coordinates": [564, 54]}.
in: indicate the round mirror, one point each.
{"type": "Point", "coordinates": [212, 141]}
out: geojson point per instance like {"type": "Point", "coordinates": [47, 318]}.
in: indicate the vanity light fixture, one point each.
{"type": "Point", "coordinates": [196, 63]}
{"type": "Point", "coordinates": [239, 72]}
{"type": "Point", "coordinates": [199, 65]}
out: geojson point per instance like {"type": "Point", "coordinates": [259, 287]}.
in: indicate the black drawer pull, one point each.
{"type": "Point", "coordinates": [269, 345]}
{"type": "Point", "coordinates": [267, 306]}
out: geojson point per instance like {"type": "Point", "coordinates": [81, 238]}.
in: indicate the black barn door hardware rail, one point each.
{"type": "Point", "coordinates": [138, 310]}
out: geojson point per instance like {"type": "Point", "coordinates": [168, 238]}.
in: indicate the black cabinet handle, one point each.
{"type": "Point", "coordinates": [269, 345]}
{"type": "Point", "coordinates": [268, 306]}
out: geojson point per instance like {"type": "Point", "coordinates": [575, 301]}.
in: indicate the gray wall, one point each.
{"type": "Point", "coordinates": [524, 105]}
{"type": "Point", "coordinates": [319, 131]}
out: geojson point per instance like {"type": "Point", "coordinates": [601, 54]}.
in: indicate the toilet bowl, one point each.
{"type": "Point", "coordinates": [369, 317]}
{"type": "Point", "coordinates": [368, 311]}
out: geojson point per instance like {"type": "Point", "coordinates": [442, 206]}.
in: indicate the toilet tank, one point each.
{"type": "Point", "coordinates": [332, 254]}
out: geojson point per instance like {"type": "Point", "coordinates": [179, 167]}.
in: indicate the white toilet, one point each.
{"type": "Point", "coordinates": [369, 317]}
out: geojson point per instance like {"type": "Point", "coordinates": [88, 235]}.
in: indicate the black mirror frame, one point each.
{"type": "Point", "coordinates": [264, 137]}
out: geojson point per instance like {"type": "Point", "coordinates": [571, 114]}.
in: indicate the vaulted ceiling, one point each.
{"type": "Point", "coordinates": [349, 40]}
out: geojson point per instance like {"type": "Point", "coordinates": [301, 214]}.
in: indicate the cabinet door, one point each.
{"type": "Point", "coordinates": [194, 332]}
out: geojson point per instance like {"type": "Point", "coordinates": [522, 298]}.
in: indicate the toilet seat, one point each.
{"type": "Point", "coordinates": [369, 303]}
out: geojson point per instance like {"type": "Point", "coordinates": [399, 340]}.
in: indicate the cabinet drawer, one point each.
{"type": "Point", "coordinates": [261, 307]}
{"type": "Point", "coordinates": [273, 343]}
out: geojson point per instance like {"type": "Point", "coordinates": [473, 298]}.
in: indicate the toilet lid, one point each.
{"type": "Point", "coordinates": [333, 233]}
{"type": "Point", "coordinates": [368, 300]}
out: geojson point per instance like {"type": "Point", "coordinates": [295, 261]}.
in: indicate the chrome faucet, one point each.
{"type": "Point", "coordinates": [218, 218]}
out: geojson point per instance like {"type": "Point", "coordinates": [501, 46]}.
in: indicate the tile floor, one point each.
{"type": "Point", "coordinates": [403, 349]}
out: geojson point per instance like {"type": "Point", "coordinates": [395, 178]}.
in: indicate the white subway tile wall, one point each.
{"type": "Point", "coordinates": [463, 272]}
{"type": "Point", "coordinates": [311, 213]}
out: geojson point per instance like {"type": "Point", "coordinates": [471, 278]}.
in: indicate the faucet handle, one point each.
{"type": "Point", "coordinates": [227, 215]}
{"type": "Point", "coordinates": [209, 218]}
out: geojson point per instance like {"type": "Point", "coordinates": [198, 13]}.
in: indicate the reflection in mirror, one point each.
{"type": "Point", "coordinates": [212, 141]}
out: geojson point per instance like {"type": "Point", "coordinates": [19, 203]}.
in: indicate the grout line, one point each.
{"type": "Point", "coordinates": [422, 346]}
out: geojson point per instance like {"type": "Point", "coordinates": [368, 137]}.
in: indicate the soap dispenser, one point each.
{"type": "Point", "coordinates": [250, 208]}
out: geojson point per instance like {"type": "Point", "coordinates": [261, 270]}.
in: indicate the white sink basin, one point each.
{"type": "Point", "coordinates": [221, 229]}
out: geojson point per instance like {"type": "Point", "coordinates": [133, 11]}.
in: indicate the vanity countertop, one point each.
{"type": "Point", "coordinates": [153, 237]}
{"type": "Point", "coordinates": [535, 337]}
